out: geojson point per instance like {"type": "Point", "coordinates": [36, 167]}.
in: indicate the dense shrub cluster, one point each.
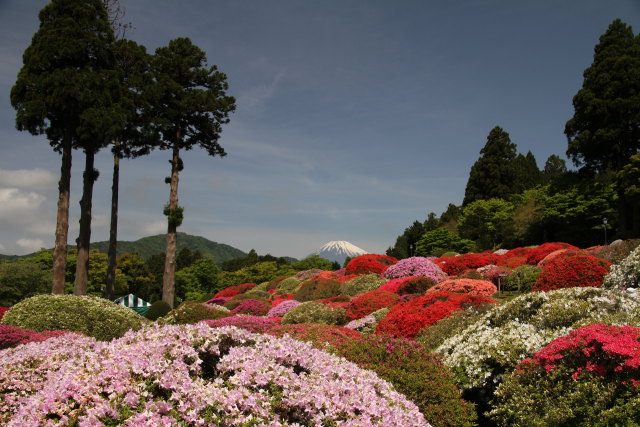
{"type": "Point", "coordinates": [234, 290]}
{"type": "Point", "coordinates": [590, 376]}
{"type": "Point", "coordinates": [314, 312]}
{"type": "Point", "coordinates": [537, 254]}
{"type": "Point", "coordinates": [407, 319]}
{"type": "Point", "coordinates": [252, 307]}
{"type": "Point", "coordinates": [415, 266]}
{"type": "Point", "coordinates": [10, 336]}
{"type": "Point", "coordinates": [256, 324]}
{"type": "Point", "coordinates": [281, 309]}
{"type": "Point", "coordinates": [92, 316]}
{"type": "Point", "coordinates": [317, 288]}
{"type": "Point", "coordinates": [190, 312]}
{"type": "Point", "coordinates": [482, 288]}
{"type": "Point", "coordinates": [319, 335]}
{"type": "Point", "coordinates": [361, 284]}
{"type": "Point", "coordinates": [157, 310]}
{"type": "Point", "coordinates": [568, 271]}
{"type": "Point", "coordinates": [625, 274]}
{"type": "Point", "coordinates": [458, 264]}
{"type": "Point", "coordinates": [369, 302]}
{"type": "Point", "coordinates": [370, 263]}
{"type": "Point", "coordinates": [522, 278]}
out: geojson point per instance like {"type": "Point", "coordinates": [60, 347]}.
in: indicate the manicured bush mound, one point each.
{"type": "Point", "coordinates": [287, 285]}
{"type": "Point", "coordinates": [319, 335]}
{"type": "Point", "coordinates": [407, 319]}
{"type": "Point", "coordinates": [415, 373]}
{"type": "Point", "coordinates": [234, 290]}
{"type": "Point", "coordinates": [437, 333]}
{"type": "Point", "coordinates": [307, 274]}
{"type": "Point", "coordinates": [370, 263]}
{"type": "Point", "coordinates": [482, 288]}
{"type": "Point", "coordinates": [555, 254]}
{"type": "Point", "coordinates": [314, 312]}
{"type": "Point", "coordinates": [617, 250]}
{"type": "Point", "coordinates": [458, 264]}
{"type": "Point", "coordinates": [256, 324]}
{"type": "Point", "coordinates": [282, 308]}
{"type": "Point", "coordinates": [514, 258]}
{"type": "Point", "coordinates": [335, 302]}
{"type": "Point", "coordinates": [625, 274]}
{"type": "Point", "coordinates": [157, 310]}
{"type": "Point", "coordinates": [193, 375]}
{"type": "Point", "coordinates": [252, 307]}
{"type": "Point", "coordinates": [91, 316]}
{"type": "Point", "coordinates": [10, 336]}
{"type": "Point", "coordinates": [369, 302]}
{"type": "Point", "coordinates": [589, 377]}
{"type": "Point", "coordinates": [537, 254]}
{"type": "Point", "coordinates": [522, 278]}
{"type": "Point", "coordinates": [485, 351]}
{"type": "Point", "coordinates": [415, 266]}
{"type": "Point", "coordinates": [192, 312]}
{"type": "Point", "coordinates": [408, 285]}
{"type": "Point", "coordinates": [569, 271]}
{"type": "Point", "coordinates": [236, 300]}
{"type": "Point", "coordinates": [317, 288]}
{"type": "Point", "coordinates": [364, 325]}
{"type": "Point", "coordinates": [361, 284]}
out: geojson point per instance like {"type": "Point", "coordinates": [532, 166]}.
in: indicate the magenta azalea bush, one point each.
{"type": "Point", "coordinates": [282, 308]}
{"type": "Point", "coordinates": [415, 266]}
{"type": "Point", "coordinates": [195, 375]}
{"type": "Point", "coordinates": [256, 324]}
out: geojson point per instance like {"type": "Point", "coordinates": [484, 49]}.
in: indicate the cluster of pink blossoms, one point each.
{"type": "Point", "coordinates": [192, 374]}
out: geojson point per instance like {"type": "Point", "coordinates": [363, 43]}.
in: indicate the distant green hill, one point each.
{"type": "Point", "coordinates": [148, 246]}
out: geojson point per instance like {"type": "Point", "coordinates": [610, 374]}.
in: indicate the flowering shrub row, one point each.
{"type": "Point", "coordinates": [458, 264]}
{"type": "Point", "coordinates": [370, 263]}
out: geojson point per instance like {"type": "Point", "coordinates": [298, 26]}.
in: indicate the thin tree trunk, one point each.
{"type": "Point", "coordinates": [84, 238]}
{"type": "Point", "coordinates": [113, 230]}
{"type": "Point", "coordinates": [168, 278]}
{"type": "Point", "coordinates": [62, 220]}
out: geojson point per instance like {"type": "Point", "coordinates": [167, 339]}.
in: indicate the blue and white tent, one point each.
{"type": "Point", "coordinates": [134, 303]}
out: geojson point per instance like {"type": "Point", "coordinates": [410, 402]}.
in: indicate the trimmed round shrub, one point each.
{"type": "Point", "coordinates": [370, 263]}
{"type": "Point", "coordinates": [626, 274]}
{"type": "Point", "coordinates": [234, 290]}
{"type": "Point", "coordinates": [335, 302]}
{"type": "Point", "coordinates": [282, 308]}
{"type": "Point", "coordinates": [91, 316]}
{"type": "Point", "coordinates": [157, 310]}
{"type": "Point", "coordinates": [364, 325]}
{"type": "Point", "coordinates": [369, 302]}
{"type": "Point", "coordinates": [307, 274]}
{"type": "Point", "coordinates": [287, 286]}
{"type": "Point", "coordinates": [407, 319]}
{"type": "Point", "coordinates": [11, 336]}
{"type": "Point", "coordinates": [190, 312]}
{"type": "Point", "coordinates": [415, 373]}
{"type": "Point", "coordinates": [589, 377]}
{"type": "Point", "coordinates": [258, 293]}
{"type": "Point", "coordinates": [555, 254]}
{"type": "Point", "coordinates": [236, 300]}
{"type": "Point", "coordinates": [314, 312]}
{"type": "Point", "coordinates": [435, 334]}
{"type": "Point", "coordinates": [617, 250]}
{"type": "Point", "coordinates": [408, 285]}
{"type": "Point", "coordinates": [252, 307]}
{"type": "Point", "coordinates": [361, 284]}
{"type": "Point", "coordinates": [415, 266]}
{"type": "Point", "coordinates": [193, 375]}
{"type": "Point", "coordinates": [485, 351]}
{"type": "Point", "coordinates": [458, 264]}
{"type": "Point", "coordinates": [256, 324]}
{"type": "Point", "coordinates": [522, 278]}
{"type": "Point", "coordinates": [571, 271]}
{"type": "Point", "coordinates": [317, 288]}
{"type": "Point", "coordinates": [321, 336]}
{"type": "Point", "coordinates": [482, 288]}
{"type": "Point", "coordinates": [537, 254]}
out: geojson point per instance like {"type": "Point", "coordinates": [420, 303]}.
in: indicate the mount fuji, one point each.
{"type": "Point", "coordinates": [339, 250]}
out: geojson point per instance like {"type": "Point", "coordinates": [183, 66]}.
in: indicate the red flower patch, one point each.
{"type": "Point", "coordinates": [458, 264]}
{"type": "Point", "coordinates": [571, 271]}
{"type": "Point", "coordinates": [370, 263]}
{"type": "Point", "coordinates": [234, 290]}
{"type": "Point", "coordinates": [482, 288]}
{"type": "Point", "coordinates": [536, 255]}
{"type": "Point", "coordinates": [369, 302]}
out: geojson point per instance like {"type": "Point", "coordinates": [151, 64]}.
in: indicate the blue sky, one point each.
{"type": "Point", "coordinates": [354, 117]}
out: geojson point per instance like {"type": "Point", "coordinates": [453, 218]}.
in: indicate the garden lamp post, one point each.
{"type": "Point", "coordinates": [410, 250]}
{"type": "Point", "coordinates": [604, 225]}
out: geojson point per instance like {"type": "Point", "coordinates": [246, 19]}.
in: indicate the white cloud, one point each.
{"type": "Point", "coordinates": [19, 207]}
{"type": "Point", "coordinates": [2, 248]}
{"type": "Point", "coordinates": [155, 227]}
{"type": "Point", "coordinates": [31, 179]}
{"type": "Point", "coordinates": [30, 245]}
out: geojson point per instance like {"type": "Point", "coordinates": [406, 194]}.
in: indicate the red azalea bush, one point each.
{"type": "Point", "coordinates": [256, 324]}
{"type": "Point", "coordinates": [11, 336]}
{"type": "Point", "coordinates": [458, 264]}
{"type": "Point", "coordinates": [512, 262]}
{"type": "Point", "coordinates": [393, 285]}
{"type": "Point", "coordinates": [277, 299]}
{"type": "Point", "coordinates": [252, 307]}
{"type": "Point", "coordinates": [318, 334]}
{"type": "Point", "coordinates": [407, 319]}
{"type": "Point", "coordinates": [572, 271]}
{"type": "Point", "coordinates": [234, 290]}
{"type": "Point", "coordinates": [536, 255]}
{"type": "Point", "coordinates": [514, 253]}
{"type": "Point", "coordinates": [335, 302]}
{"type": "Point", "coordinates": [342, 278]}
{"type": "Point", "coordinates": [554, 254]}
{"type": "Point", "coordinates": [367, 303]}
{"type": "Point", "coordinates": [482, 288]}
{"type": "Point", "coordinates": [3, 310]}
{"type": "Point", "coordinates": [370, 263]}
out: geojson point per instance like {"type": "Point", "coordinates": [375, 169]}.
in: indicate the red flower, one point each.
{"type": "Point", "coordinates": [370, 263]}
{"type": "Point", "coordinates": [570, 271]}
{"type": "Point", "coordinates": [465, 286]}
{"type": "Point", "coordinates": [234, 290]}
{"type": "Point", "coordinates": [536, 255]}
{"type": "Point", "coordinates": [458, 264]}
{"type": "Point", "coordinates": [369, 302]}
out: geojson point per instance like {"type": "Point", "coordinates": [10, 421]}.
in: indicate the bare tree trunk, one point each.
{"type": "Point", "coordinates": [169, 276]}
{"type": "Point", "coordinates": [82, 267]}
{"type": "Point", "coordinates": [62, 220]}
{"type": "Point", "coordinates": [113, 230]}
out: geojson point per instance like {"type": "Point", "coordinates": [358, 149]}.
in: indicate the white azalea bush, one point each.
{"type": "Point", "coordinates": [490, 348]}
{"type": "Point", "coordinates": [625, 274]}
{"type": "Point", "coordinates": [192, 375]}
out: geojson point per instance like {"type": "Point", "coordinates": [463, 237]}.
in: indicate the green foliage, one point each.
{"type": "Point", "coordinates": [287, 285]}
{"type": "Point", "coordinates": [313, 261]}
{"type": "Point", "coordinates": [526, 173]}
{"type": "Point", "coordinates": [314, 312]}
{"type": "Point", "coordinates": [193, 312]}
{"type": "Point", "coordinates": [137, 275]}
{"type": "Point", "coordinates": [317, 288]}
{"type": "Point", "coordinates": [175, 216]}
{"type": "Point", "coordinates": [493, 174]}
{"type": "Point", "coordinates": [19, 280]}
{"type": "Point", "coordinates": [199, 281]}
{"type": "Point", "coordinates": [440, 241]}
{"type": "Point", "coordinates": [256, 273]}
{"type": "Point", "coordinates": [361, 284]}
{"type": "Point", "coordinates": [405, 245]}
{"type": "Point", "coordinates": [92, 316]}
{"type": "Point", "coordinates": [522, 278]}
{"type": "Point", "coordinates": [157, 310]}
{"type": "Point", "coordinates": [236, 300]}
{"type": "Point", "coordinates": [434, 335]}
{"type": "Point", "coordinates": [488, 222]}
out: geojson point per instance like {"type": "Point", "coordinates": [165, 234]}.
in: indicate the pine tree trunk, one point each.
{"type": "Point", "coordinates": [113, 230]}
{"type": "Point", "coordinates": [169, 277]}
{"type": "Point", "coordinates": [62, 221]}
{"type": "Point", "coordinates": [84, 238]}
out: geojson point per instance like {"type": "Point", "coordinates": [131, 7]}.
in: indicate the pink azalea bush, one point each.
{"type": "Point", "coordinates": [482, 288]}
{"type": "Point", "coordinates": [415, 266]}
{"type": "Point", "coordinates": [252, 307]}
{"type": "Point", "coordinates": [256, 324]}
{"type": "Point", "coordinates": [195, 375]}
{"type": "Point", "coordinates": [11, 336]}
{"type": "Point", "coordinates": [282, 308]}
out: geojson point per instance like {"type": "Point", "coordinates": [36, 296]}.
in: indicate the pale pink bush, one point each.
{"type": "Point", "coordinates": [465, 286]}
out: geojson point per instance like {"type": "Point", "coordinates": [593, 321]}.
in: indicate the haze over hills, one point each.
{"type": "Point", "coordinates": [339, 250]}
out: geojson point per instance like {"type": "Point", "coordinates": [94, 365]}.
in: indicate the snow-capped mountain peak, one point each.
{"type": "Point", "coordinates": [339, 250]}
